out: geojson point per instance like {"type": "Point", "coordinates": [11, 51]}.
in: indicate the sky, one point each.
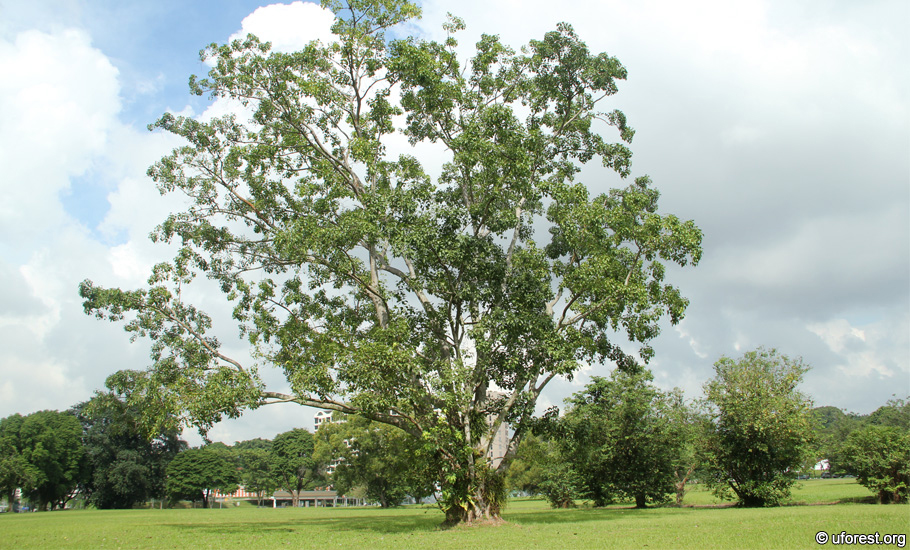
{"type": "Point", "coordinates": [781, 128]}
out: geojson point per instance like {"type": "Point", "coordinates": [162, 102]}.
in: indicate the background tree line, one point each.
{"type": "Point", "coordinates": [749, 439]}
{"type": "Point", "coordinates": [98, 451]}
{"type": "Point", "coordinates": [620, 439]}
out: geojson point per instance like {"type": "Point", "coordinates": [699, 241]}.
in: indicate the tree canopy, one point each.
{"type": "Point", "coordinates": [760, 428]}
{"type": "Point", "coordinates": [41, 454]}
{"type": "Point", "coordinates": [293, 463]}
{"type": "Point", "coordinates": [257, 471]}
{"type": "Point", "coordinates": [195, 474]}
{"type": "Point", "coordinates": [387, 462]}
{"type": "Point", "coordinates": [617, 437]}
{"type": "Point", "coordinates": [124, 467]}
{"type": "Point", "coordinates": [15, 471]}
{"type": "Point", "coordinates": [377, 289]}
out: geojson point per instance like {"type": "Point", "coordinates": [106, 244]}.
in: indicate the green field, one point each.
{"type": "Point", "coordinates": [529, 524]}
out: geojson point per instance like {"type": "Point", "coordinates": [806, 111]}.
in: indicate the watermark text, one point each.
{"type": "Point", "coordinates": [823, 537]}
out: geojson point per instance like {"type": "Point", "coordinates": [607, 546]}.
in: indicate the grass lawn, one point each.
{"type": "Point", "coordinates": [810, 491]}
{"type": "Point", "coordinates": [529, 524]}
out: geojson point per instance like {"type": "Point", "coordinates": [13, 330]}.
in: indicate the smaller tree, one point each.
{"type": "Point", "coordinates": [293, 462]}
{"type": "Point", "coordinates": [528, 470]}
{"type": "Point", "coordinates": [195, 474]}
{"type": "Point", "coordinates": [616, 436]}
{"type": "Point", "coordinates": [880, 458]}
{"type": "Point", "coordinates": [760, 427]}
{"type": "Point", "coordinates": [687, 429]}
{"type": "Point", "coordinates": [125, 465]}
{"type": "Point", "coordinates": [562, 484]}
{"type": "Point", "coordinates": [15, 471]}
{"type": "Point", "coordinates": [51, 441]}
{"type": "Point", "coordinates": [387, 462]}
{"type": "Point", "coordinates": [257, 472]}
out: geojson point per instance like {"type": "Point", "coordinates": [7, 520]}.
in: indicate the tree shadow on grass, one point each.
{"type": "Point", "coordinates": [845, 500]}
{"type": "Point", "coordinates": [380, 524]}
{"type": "Point", "coordinates": [430, 521]}
{"type": "Point", "coordinates": [580, 515]}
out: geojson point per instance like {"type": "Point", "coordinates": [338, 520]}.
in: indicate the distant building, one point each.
{"type": "Point", "coordinates": [324, 498]}
{"type": "Point", "coordinates": [321, 417]}
{"type": "Point", "coordinates": [500, 445]}
{"type": "Point", "coordinates": [324, 417]}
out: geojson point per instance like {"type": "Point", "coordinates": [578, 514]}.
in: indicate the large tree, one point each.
{"type": "Point", "coordinates": [377, 290]}
{"type": "Point", "coordinates": [760, 426]}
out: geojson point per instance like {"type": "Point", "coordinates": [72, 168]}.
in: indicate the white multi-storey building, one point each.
{"type": "Point", "coordinates": [321, 417]}
{"type": "Point", "coordinates": [325, 417]}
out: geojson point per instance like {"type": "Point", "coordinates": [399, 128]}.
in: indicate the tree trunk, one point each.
{"type": "Point", "coordinates": [681, 484]}
{"type": "Point", "coordinates": [479, 511]}
{"type": "Point", "coordinates": [641, 501]}
{"type": "Point", "coordinates": [751, 501]}
{"type": "Point", "coordinates": [474, 499]}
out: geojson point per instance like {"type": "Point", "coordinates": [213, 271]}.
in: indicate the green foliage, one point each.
{"type": "Point", "coordinates": [257, 471]}
{"type": "Point", "coordinates": [15, 471]}
{"type": "Point", "coordinates": [195, 473]}
{"type": "Point", "coordinates": [529, 466]}
{"type": "Point", "coordinates": [687, 429]}
{"type": "Point", "coordinates": [378, 291]}
{"type": "Point", "coordinates": [895, 413]}
{"type": "Point", "coordinates": [616, 437]}
{"type": "Point", "coordinates": [42, 454]}
{"type": "Point", "coordinates": [257, 444]}
{"type": "Point", "coordinates": [880, 458]}
{"type": "Point", "coordinates": [293, 464]}
{"type": "Point", "coordinates": [760, 431]}
{"type": "Point", "coordinates": [124, 467]}
{"type": "Point", "coordinates": [562, 485]}
{"type": "Point", "coordinates": [387, 462]}
{"type": "Point", "coordinates": [831, 426]}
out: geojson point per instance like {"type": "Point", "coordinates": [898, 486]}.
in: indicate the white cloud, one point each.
{"type": "Point", "coordinates": [58, 99]}
{"type": "Point", "coordinates": [838, 334]}
{"type": "Point", "coordinates": [781, 131]}
{"type": "Point", "coordinates": [59, 106]}
{"type": "Point", "coordinates": [289, 27]}
{"type": "Point", "coordinates": [859, 351]}
{"type": "Point", "coordinates": [697, 348]}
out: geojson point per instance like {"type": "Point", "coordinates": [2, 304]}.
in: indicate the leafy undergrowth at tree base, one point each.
{"type": "Point", "coordinates": [477, 523]}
